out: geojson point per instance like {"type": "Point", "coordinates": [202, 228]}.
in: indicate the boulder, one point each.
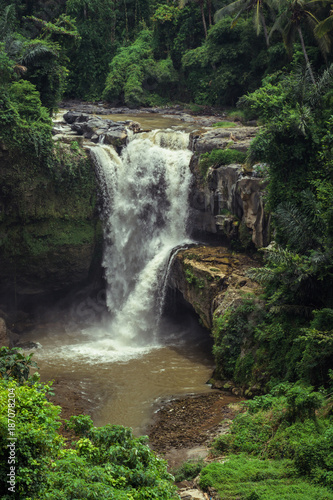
{"type": "Point", "coordinates": [230, 202]}
{"type": "Point", "coordinates": [97, 129]}
{"type": "Point", "coordinates": [192, 494]}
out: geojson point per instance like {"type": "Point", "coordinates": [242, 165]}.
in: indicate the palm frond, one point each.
{"type": "Point", "coordinates": [297, 310]}
{"type": "Point", "coordinates": [324, 27]}
{"type": "Point", "coordinates": [262, 275]}
{"type": "Point", "coordinates": [7, 15]}
{"type": "Point", "coordinates": [13, 46]}
{"type": "Point", "coordinates": [182, 3]}
{"type": "Point", "coordinates": [231, 9]}
{"type": "Point", "coordinates": [257, 21]}
{"type": "Point", "coordinates": [325, 81]}
{"type": "Point", "coordinates": [35, 51]}
{"type": "Point", "coordinates": [236, 18]}
{"type": "Point", "coordinates": [298, 226]}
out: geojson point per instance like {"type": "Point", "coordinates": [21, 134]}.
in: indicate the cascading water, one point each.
{"type": "Point", "coordinates": [122, 365]}
{"type": "Point", "coordinates": [145, 210]}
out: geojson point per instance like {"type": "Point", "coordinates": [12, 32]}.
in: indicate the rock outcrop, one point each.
{"type": "Point", "coordinates": [4, 337]}
{"type": "Point", "coordinates": [238, 138]}
{"type": "Point", "coordinates": [97, 129]}
{"type": "Point", "coordinates": [50, 233]}
{"type": "Point", "coordinates": [211, 279]}
{"type": "Point", "coordinates": [229, 203]}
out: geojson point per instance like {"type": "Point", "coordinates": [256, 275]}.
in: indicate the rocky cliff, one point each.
{"type": "Point", "coordinates": [228, 203]}
{"type": "Point", "coordinates": [211, 279]}
{"type": "Point", "coordinates": [50, 231]}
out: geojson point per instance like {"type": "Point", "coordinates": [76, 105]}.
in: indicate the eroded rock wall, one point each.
{"type": "Point", "coordinates": [211, 279]}
{"type": "Point", "coordinates": [229, 202]}
{"type": "Point", "coordinates": [50, 234]}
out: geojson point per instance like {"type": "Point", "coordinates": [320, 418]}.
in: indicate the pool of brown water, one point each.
{"type": "Point", "coordinates": [124, 384]}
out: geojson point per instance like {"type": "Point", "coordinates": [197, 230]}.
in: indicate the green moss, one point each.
{"type": "Point", "coordinates": [219, 157]}
{"type": "Point", "coordinates": [230, 331]}
{"type": "Point", "coordinates": [192, 279]}
{"type": "Point", "coordinates": [48, 226]}
{"type": "Point", "coordinates": [224, 124]}
{"type": "Point", "coordinates": [46, 236]}
{"type": "Point", "coordinates": [245, 236]}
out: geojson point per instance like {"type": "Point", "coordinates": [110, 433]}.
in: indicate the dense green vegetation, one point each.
{"type": "Point", "coordinates": [102, 462]}
{"type": "Point", "coordinates": [149, 52]}
{"type": "Point", "coordinates": [283, 445]}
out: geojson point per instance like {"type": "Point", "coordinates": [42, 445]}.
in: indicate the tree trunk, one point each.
{"type": "Point", "coordinates": [209, 5]}
{"type": "Point", "coordinates": [203, 17]}
{"type": "Point", "coordinates": [264, 28]}
{"type": "Point", "coordinates": [306, 55]}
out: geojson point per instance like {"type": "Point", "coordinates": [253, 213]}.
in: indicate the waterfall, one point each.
{"type": "Point", "coordinates": [145, 209]}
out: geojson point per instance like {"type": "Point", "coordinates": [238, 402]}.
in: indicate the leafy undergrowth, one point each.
{"type": "Point", "coordinates": [106, 462]}
{"type": "Point", "coordinates": [188, 470]}
{"type": "Point", "coordinates": [279, 447]}
{"type": "Point", "coordinates": [244, 477]}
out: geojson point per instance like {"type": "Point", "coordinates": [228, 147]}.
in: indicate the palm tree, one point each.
{"type": "Point", "coordinates": [293, 14]}
{"type": "Point", "coordinates": [241, 6]}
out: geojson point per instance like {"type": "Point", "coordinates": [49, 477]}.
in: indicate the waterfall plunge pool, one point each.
{"type": "Point", "coordinates": [123, 386]}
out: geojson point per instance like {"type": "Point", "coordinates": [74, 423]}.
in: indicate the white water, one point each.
{"type": "Point", "coordinates": [123, 365]}
{"type": "Point", "coordinates": [145, 210]}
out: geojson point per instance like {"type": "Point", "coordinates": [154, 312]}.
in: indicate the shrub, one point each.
{"type": "Point", "coordinates": [219, 157]}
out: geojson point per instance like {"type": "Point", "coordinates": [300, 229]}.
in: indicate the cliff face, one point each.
{"type": "Point", "coordinates": [229, 202]}
{"type": "Point", "coordinates": [211, 279]}
{"type": "Point", "coordinates": [50, 232]}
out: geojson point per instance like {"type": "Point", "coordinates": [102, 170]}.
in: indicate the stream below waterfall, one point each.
{"type": "Point", "coordinates": [126, 360]}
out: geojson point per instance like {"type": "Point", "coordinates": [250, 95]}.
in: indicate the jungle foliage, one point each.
{"type": "Point", "coordinates": [280, 446]}
{"type": "Point", "coordinates": [181, 51]}
{"type": "Point", "coordinates": [151, 52]}
{"type": "Point", "coordinates": [103, 462]}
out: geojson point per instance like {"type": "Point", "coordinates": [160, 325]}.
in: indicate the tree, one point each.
{"type": "Point", "coordinates": [325, 26]}
{"type": "Point", "coordinates": [292, 15]}
{"type": "Point", "coordinates": [201, 4]}
{"type": "Point", "coordinates": [240, 7]}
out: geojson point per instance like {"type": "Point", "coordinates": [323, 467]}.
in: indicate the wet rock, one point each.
{"type": "Point", "coordinates": [115, 137]}
{"type": "Point", "coordinates": [251, 192]}
{"type": "Point", "coordinates": [230, 204]}
{"type": "Point", "coordinates": [97, 129]}
{"type": "Point", "coordinates": [192, 494]}
{"type": "Point", "coordinates": [29, 345]}
{"type": "Point", "coordinates": [211, 279]}
{"type": "Point", "coordinates": [68, 138]}
{"type": "Point", "coordinates": [238, 138]}
{"type": "Point", "coordinates": [237, 391]}
{"type": "Point", "coordinates": [4, 337]}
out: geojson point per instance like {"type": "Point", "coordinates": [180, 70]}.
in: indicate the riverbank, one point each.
{"type": "Point", "coordinates": [184, 427]}
{"type": "Point", "coordinates": [204, 117]}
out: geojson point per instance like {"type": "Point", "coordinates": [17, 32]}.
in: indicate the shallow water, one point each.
{"type": "Point", "coordinates": [152, 121]}
{"type": "Point", "coordinates": [123, 384]}
{"type": "Point", "coordinates": [148, 121]}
